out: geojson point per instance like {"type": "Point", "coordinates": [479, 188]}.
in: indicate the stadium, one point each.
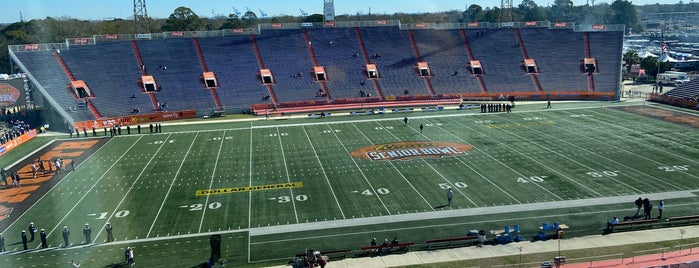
{"type": "Point", "coordinates": [260, 146]}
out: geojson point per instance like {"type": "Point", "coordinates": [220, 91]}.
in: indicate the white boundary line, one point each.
{"type": "Point", "coordinates": [250, 192]}
{"type": "Point", "coordinates": [93, 185]}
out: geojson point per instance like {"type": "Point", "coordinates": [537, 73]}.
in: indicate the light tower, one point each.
{"type": "Point", "coordinates": [506, 11]}
{"type": "Point", "coordinates": [140, 17]}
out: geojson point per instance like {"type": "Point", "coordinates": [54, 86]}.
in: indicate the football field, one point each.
{"type": "Point", "coordinates": [337, 174]}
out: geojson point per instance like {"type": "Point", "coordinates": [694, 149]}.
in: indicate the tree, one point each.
{"type": "Point", "coordinates": [563, 11]}
{"type": "Point", "coordinates": [530, 11]}
{"type": "Point", "coordinates": [623, 12]}
{"type": "Point", "coordinates": [472, 13]}
{"type": "Point", "coordinates": [183, 19]}
{"type": "Point", "coordinates": [314, 18]}
{"type": "Point", "coordinates": [631, 58]}
{"type": "Point", "coordinates": [233, 22]}
{"type": "Point", "coordinates": [650, 64]}
{"type": "Point", "coordinates": [249, 18]}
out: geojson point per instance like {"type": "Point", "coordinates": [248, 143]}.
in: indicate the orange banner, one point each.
{"type": "Point", "coordinates": [17, 141]}
{"type": "Point", "coordinates": [135, 119]}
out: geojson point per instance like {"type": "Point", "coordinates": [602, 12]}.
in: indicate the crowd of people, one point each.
{"type": "Point", "coordinates": [15, 129]}
{"type": "Point", "coordinates": [496, 107]}
{"type": "Point", "coordinates": [640, 203]}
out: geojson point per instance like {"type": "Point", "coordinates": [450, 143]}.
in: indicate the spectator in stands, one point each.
{"type": "Point", "coordinates": [610, 224]}
{"type": "Point", "coordinates": [661, 205]}
{"type": "Point", "coordinates": [455, 72]}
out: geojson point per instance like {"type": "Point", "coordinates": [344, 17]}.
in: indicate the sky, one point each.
{"type": "Point", "coordinates": [109, 9]}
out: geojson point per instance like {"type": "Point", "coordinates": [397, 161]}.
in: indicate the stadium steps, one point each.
{"type": "Point", "coordinates": [258, 55]}
{"type": "Point", "coordinates": [419, 59]}
{"type": "Point", "coordinates": [70, 76]}
{"type": "Point", "coordinates": [154, 101]}
{"type": "Point", "coordinates": [205, 68]}
{"type": "Point", "coordinates": [559, 61]}
{"type": "Point", "coordinates": [525, 55]}
{"type": "Point", "coordinates": [479, 78]}
{"type": "Point", "coordinates": [590, 78]}
{"type": "Point", "coordinates": [365, 55]}
{"type": "Point", "coordinates": [312, 53]}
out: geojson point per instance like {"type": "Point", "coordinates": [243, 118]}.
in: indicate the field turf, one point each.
{"type": "Point", "coordinates": [273, 188]}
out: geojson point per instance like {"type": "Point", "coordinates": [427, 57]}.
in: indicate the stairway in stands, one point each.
{"type": "Point", "coordinates": [365, 55]}
{"type": "Point", "coordinates": [590, 78]}
{"type": "Point", "coordinates": [525, 55]}
{"type": "Point", "coordinates": [70, 75]}
{"type": "Point", "coordinates": [315, 64]}
{"type": "Point", "coordinates": [470, 58]}
{"type": "Point", "coordinates": [270, 88]}
{"type": "Point", "coordinates": [417, 55]}
{"type": "Point", "coordinates": [142, 67]}
{"type": "Point", "coordinates": [205, 68]}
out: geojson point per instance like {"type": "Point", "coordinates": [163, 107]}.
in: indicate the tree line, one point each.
{"type": "Point", "coordinates": [56, 30]}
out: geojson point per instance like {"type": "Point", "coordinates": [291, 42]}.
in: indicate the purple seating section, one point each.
{"type": "Point", "coordinates": [688, 90]}
{"type": "Point", "coordinates": [559, 50]}
{"type": "Point", "coordinates": [111, 71]}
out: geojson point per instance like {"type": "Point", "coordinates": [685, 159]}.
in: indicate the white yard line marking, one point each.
{"type": "Point", "coordinates": [460, 159]}
{"type": "Point", "coordinates": [360, 170]}
{"type": "Point", "coordinates": [325, 175]}
{"type": "Point", "coordinates": [535, 161]}
{"type": "Point", "coordinates": [213, 173]}
{"type": "Point", "coordinates": [250, 192]}
{"type": "Point", "coordinates": [288, 179]}
{"type": "Point", "coordinates": [393, 165]}
{"type": "Point", "coordinates": [91, 187]}
{"type": "Point", "coordinates": [177, 173]}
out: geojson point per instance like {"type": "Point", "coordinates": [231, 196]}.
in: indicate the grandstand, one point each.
{"type": "Point", "coordinates": [414, 62]}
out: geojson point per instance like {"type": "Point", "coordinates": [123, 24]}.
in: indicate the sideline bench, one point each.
{"type": "Point", "coordinates": [450, 239]}
{"type": "Point", "coordinates": [339, 252]}
{"type": "Point", "coordinates": [683, 218]}
{"type": "Point", "coordinates": [379, 248]}
{"type": "Point", "coordinates": [631, 223]}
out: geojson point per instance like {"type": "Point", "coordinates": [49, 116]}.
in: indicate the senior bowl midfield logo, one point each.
{"type": "Point", "coordinates": [411, 149]}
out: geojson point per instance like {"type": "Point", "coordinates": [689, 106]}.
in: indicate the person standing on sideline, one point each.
{"type": "Point", "coordinates": [450, 195]}
{"type": "Point", "coordinates": [2, 243]}
{"type": "Point", "coordinates": [131, 262]}
{"type": "Point", "coordinates": [3, 174]}
{"type": "Point", "coordinates": [33, 170]}
{"type": "Point", "coordinates": [88, 233]}
{"type": "Point", "coordinates": [66, 236]}
{"type": "Point", "coordinates": [126, 254]}
{"type": "Point", "coordinates": [110, 237]}
{"type": "Point", "coordinates": [405, 120]}
{"type": "Point", "coordinates": [24, 239]}
{"type": "Point", "coordinates": [639, 204]}
{"type": "Point", "coordinates": [647, 207]}
{"type": "Point", "coordinates": [661, 205]}
{"type": "Point", "coordinates": [32, 231]}
{"type": "Point", "coordinates": [42, 234]}
{"type": "Point", "coordinates": [421, 127]}
{"type": "Point", "coordinates": [548, 104]}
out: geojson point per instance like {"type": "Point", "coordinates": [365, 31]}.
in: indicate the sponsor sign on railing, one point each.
{"type": "Point", "coordinates": [11, 144]}
{"type": "Point", "coordinates": [135, 119]}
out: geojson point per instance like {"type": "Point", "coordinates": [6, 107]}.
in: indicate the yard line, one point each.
{"type": "Point", "coordinates": [76, 203]}
{"type": "Point", "coordinates": [472, 169]}
{"type": "Point", "coordinates": [401, 173]}
{"type": "Point", "coordinates": [132, 185]}
{"type": "Point", "coordinates": [497, 160]}
{"type": "Point", "coordinates": [541, 164]}
{"type": "Point", "coordinates": [213, 172]}
{"type": "Point", "coordinates": [575, 161]}
{"type": "Point", "coordinates": [653, 137]}
{"type": "Point", "coordinates": [250, 192]}
{"type": "Point", "coordinates": [641, 156]}
{"type": "Point", "coordinates": [171, 184]}
{"type": "Point", "coordinates": [286, 169]}
{"type": "Point", "coordinates": [360, 170]}
{"type": "Point", "coordinates": [323, 170]}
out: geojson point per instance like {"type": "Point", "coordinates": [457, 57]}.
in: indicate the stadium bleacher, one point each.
{"type": "Point", "coordinates": [501, 60]}
{"type": "Point", "coordinates": [112, 72]}
{"type": "Point", "coordinates": [446, 54]}
{"type": "Point", "coordinates": [559, 60]}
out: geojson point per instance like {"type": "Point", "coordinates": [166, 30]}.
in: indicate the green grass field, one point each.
{"type": "Point", "coordinates": [285, 185]}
